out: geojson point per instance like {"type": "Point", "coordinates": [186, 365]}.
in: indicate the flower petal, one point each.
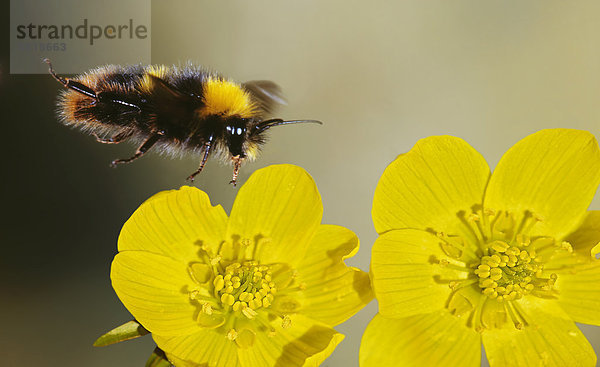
{"type": "Point", "coordinates": [334, 292]}
{"type": "Point", "coordinates": [152, 287]}
{"type": "Point", "coordinates": [316, 359]}
{"type": "Point", "coordinates": [587, 235]}
{"type": "Point", "coordinates": [579, 273]}
{"type": "Point", "coordinates": [178, 362]}
{"type": "Point", "coordinates": [549, 340]}
{"type": "Point", "coordinates": [207, 347]}
{"type": "Point", "coordinates": [434, 339]}
{"type": "Point", "coordinates": [579, 293]}
{"type": "Point", "coordinates": [293, 346]}
{"type": "Point", "coordinates": [404, 269]}
{"type": "Point", "coordinates": [428, 186]}
{"type": "Point", "coordinates": [280, 204]}
{"type": "Point", "coordinates": [174, 223]}
{"type": "Point", "coordinates": [553, 173]}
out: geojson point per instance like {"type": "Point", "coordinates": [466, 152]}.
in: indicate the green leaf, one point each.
{"type": "Point", "coordinates": [158, 359]}
{"type": "Point", "coordinates": [129, 330]}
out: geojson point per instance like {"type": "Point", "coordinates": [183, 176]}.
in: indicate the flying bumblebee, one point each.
{"type": "Point", "coordinates": [177, 109]}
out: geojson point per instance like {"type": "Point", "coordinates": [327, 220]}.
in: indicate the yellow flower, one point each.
{"type": "Point", "coordinates": [261, 288]}
{"type": "Point", "coordinates": [465, 257]}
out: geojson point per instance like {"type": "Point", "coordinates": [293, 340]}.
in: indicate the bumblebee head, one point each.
{"type": "Point", "coordinates": [244, 136]}
{"type": "Point", "coordinates": [235, 135]}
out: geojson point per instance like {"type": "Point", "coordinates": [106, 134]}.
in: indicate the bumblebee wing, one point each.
{"type": "Point", "coordinates": [265, 94]}
{"type": "Point", "coordinates": [163, 89]}
{"type": "Point", "coordinates": [171, 105]}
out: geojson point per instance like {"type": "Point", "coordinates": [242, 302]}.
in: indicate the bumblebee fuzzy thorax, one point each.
{"type": "Point", "coordinates": [226, 98]}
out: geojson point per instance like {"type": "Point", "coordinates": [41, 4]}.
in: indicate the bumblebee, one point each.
{"type": "Point", "coordinates": [175, 109]}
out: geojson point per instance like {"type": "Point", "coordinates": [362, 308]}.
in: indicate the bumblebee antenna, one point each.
{"type": "Point", "coordinates": [267, 124]}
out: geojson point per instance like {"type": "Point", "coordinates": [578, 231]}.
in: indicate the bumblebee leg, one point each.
{"type": "Point", "coordinates": [207, 146]}
{"type": "Point", "coordinates": [106, 97]}
{"type": "Point", "coordinates": [115, 139]}
{"type": "Point", "coordinates": [140, 152]}
{"type": "Point", "coordinates": [237, 161]}
{"type": "Point", "coordinates": [71, 84]}
{"type": "Point", "coordinates": [110, 97]}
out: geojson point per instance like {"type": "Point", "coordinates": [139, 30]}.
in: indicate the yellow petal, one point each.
{"type": "Point", "coordinates": [428, 186]}
{"type": "Point", "coordinates": [549, 340]}
{"type": "Point", "coordinates": [293, 346]}
{"type": "Point", "coordinates": [587, 235]}
{"type": "Point", "coordinates": [180, 362]}
{"type": "Point", "coordinates": [207, 347]}
{"type": "Point", "coordinates": [316, 359]}
{"type": "Point", "coordinates": [579, 293]}
{"type": "Point", "coordinates": [334, 292]}
{"type": "Point", "coordinates": [175, 223]}
{"type": "Point", "coordinates": [279, 208]}
{"type": "Point", "coordinates": [553, 173]}
{"type": "Point", "coordinates": [434, 339]}
{"type": "Point", "coordinates": [579, 273]}
{"type": "Point", "coordinates": [405, 272]}
{"type": "Point", "coordinates": [151, 288]}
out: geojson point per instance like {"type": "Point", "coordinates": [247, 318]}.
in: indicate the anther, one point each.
{"type": "Point", "coordinates": [499, 246]}
{"type": "Point", "coordinates": [566, 246]}
{"type": "Point", "coordinates": [232, 335]}
{"type": "Point", "coordinates": [286, 322]}
{"type": "Point", "coordinates": [473, 217]}
{"type": "Point", "coordinates": [219, 283]}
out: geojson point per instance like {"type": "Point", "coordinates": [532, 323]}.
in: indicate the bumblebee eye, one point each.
{"type": "Point", "coordinates": [235, 130]}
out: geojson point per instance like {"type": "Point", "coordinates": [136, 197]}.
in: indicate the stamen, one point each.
{"type": "Point", "coordinates": [452, 246]}
{"type": "Point", "coordinates": [566, 246]}
{"type": "Point", "coordinates": [523, 240]}
{"type": "Point", "coordinates": [475, 223]}
{"type": "Point", "coordinates": [510, 266]}
{"type": "Point", "coordinates": [232, 335]}
{"type": "Point", "coordinates": [520, 315]}
{"type": "Point", "coordinates": [475, 319]}
{"type": "Point", "coordinates": [508, 273]}
{"type": "Point", "coordinates": [451, 264]}
{"type": "Point", "coordinates": [456, 285]}
{"type": "Point", "coordinates": [503, 226]}
{"type": "Point", "coordinates": [286, 323]}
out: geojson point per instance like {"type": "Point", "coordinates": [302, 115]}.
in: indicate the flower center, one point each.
{"type": "Point", "coordinates": [495, 256]}
{"type": "Point", "coordinates": [245, 287]}
{"type": "Point", "coordinates": [238, 296]}
{"type": "Point", "coordinates": [508, 272]}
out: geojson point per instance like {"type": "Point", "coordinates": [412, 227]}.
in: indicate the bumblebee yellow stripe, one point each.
{"type": "Point", "coordinates": [226, 98]}
{"type": "Point", "coordinates": [159, 71]}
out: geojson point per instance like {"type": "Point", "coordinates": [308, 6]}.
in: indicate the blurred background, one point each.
{"type": "Point", "coordinates": [381, 76]}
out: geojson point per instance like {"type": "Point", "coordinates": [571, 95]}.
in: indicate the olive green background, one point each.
{"type": "Point", "coordinates": [381, 75]}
